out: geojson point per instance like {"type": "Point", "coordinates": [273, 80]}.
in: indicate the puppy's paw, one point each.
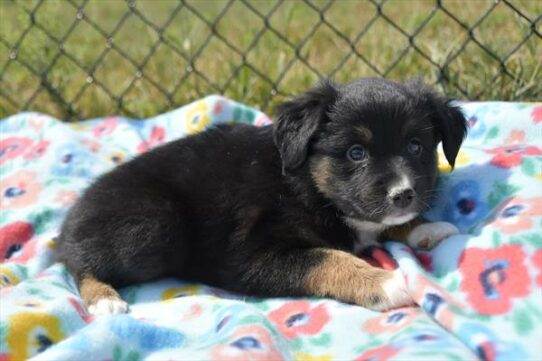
{"type": "Point", "coordinates": [108, 306]}
{"type": "Point", "coordinates": [395, 293]}
{"type": "Point", "coordinates": [428, 235]}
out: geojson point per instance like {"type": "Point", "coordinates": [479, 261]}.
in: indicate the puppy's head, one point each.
{"type": "Point", "coordinates": [370, 146]}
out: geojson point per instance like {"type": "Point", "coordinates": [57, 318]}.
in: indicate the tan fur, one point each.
{"type": "Point", "coordinates": [321, 173]}
{"type": "Point", "coordinates": [365, 133]}
{"type": "Point", "coordinates": [401, 232]}
{"type": "Point", "coordinates": [347, 278]}
{"type": "Point", "coordinates": [92, 290]}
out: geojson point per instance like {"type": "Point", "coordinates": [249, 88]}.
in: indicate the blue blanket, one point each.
{"type": "Point", "coordinates": [479, 294]}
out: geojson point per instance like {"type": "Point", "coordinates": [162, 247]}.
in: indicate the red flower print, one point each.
{"type": "Point", "coordinates": [105, 128]}
{"type": "Point", "coordinates": [492, 277]}
{"type": "Point", "coordinates": [65, 198]}
{"type": "Point", "coordinates": [92, 145]}
{"type": "Point", "coordinates": [19, 190]}
{"type": "Point", "coordinates": [262, 121]}
{"type": "Point", "coordinates": [512, 155]}
{"type": "Point", "coordinates": [38, 121]}
{"type": "Point", "coordinates": [249, 342]}
{"type": "Point", "coordinates": [537, 261]}
{"type": "Point", "coordinates": [391, 321]}
{"type": "Point", "coordinates": [515, 214]}
{"type": "Point", "coordinates": [13, 237]}
{"type": "Point", "coordinates": [536, 114]}
{"type": "Point", "coordinates": [85, 316]}
{"type": "Point", "coordinates": [434, 300]}
{"type": "Point", "coordinates": [156, 138]}
{"type": "Point", "coordinates": [515, 137]}
{"type": "Point", "coordinates": [297, 317]}
{"type": "Point", "coordinates": [196, 310]}
{"type": "Point", "coordinates": [218, 107]}
{"type": "Point", "coordinates": [425, 260]}
{"type": "Point", "coordinates": [12, 147]}
{"type": "Point", "coordinates": [36, 150]}
{"type": "Point", "coordinates": [382, 353]}
{"type": "Point", "coordinates": [29, 251]}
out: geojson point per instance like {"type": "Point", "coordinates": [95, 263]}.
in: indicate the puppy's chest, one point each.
{"type": "Point", "coordinates": [322, 231]}
{"type": "Point", "coordinates": [367, 233]}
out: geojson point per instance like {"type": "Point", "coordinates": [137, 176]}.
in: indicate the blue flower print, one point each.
{"type": "Point", "coordinates": [487, 346]}
{"type": "Point", "coordinates": [247, 342]}
{"type": "Point", "coordinates": [72, 161]}
{"type": "Point", "coordinates": [477, 127]}
{"type": "Point", "coordinates": [465, 207]}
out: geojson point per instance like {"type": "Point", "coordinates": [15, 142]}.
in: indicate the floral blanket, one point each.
{"type": "Point", "coordinates": [479, 294]}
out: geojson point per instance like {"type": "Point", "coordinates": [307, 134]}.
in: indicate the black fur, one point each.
{"type": "Point", "coordinates": [239, 207]}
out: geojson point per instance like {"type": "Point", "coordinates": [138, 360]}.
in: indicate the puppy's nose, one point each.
{"type": "Point", "coordinates": [402, 198]}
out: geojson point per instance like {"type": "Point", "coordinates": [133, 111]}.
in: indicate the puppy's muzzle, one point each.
{"type": "Point", "coordinates": [401, 198]}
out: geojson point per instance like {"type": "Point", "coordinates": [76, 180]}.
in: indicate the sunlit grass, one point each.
{"type": "Point", "coordinates": [173, 67]}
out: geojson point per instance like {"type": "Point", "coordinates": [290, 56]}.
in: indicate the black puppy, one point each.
{"type": "Point", "coordinates": [273, 211]}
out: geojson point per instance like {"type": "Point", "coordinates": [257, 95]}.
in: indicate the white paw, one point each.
{"type": "Point", "coordinates": [108, 306]}
{"type": "Point", "coordinates": [397, 293]}
{"type": "Point", "coordinates": [428, 235]}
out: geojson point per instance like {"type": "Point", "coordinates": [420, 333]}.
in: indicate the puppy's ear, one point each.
{"type": "Point", "coordinates": [448, 120]}
{"type": "Point", "coordinates": [297, 122]}
{"type": "Point", "coordinates": [452, 128]}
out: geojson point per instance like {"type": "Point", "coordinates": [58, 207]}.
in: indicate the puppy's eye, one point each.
{"type": "Point", "coordinates": [414, 147]}
{"type": "Point", "coordinates": [357, 153]}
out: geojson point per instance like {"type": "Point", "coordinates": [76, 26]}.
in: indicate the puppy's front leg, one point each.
{"type": "Point", "coordinates": [422, 234]}
{"type": "Point", "coordinates": [330, 273]}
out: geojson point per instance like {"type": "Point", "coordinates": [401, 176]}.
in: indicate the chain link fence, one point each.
{"type": "Point", "coordinates": [83, 58]}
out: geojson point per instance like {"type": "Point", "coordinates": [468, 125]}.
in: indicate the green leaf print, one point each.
{"type": "Point", "coordinates": [133, 356]}
{"type": "Point", "coordinates": [243, 114]}
{"type": "Point", "coordinates": [5, 169]}
{"type": "Point", "coordinates": [496, 240]}
{"type": "Point", "coordinates": [3, 216]}
{"type": "Point", "coordinates": [452, 287]}
{"type": "Point", "coordinates": [534, 310]}
{"type": "Point", "coordinates": [261, 305]}
{"type": "Point", "coordinates": [117, 353]}
{"type": "Point", "coordinates": [40, 220]}
{"type": "Point", "coordinates": [3, 331]}
{"type": "Point", "coordinates": [500, 192]}
{"type": "Point", "coordinates": [534, 239]}
{"type": "Point", "coordinates": [493, 133]}
{"type": "Point", "coordinates": [522, 322]}
{"type": "Point", "coordinates": [297, 343]}
{"type": "Point", "coordinates": [324, 340]}
{"type": "Point", "coordinates": [528, 167]}
{"type": "Point", "coordinates": [22, 270]}
{"type": "Point", "coordinates": [129, 293]}
{"type": "Point", "coordinates": [59, 180]}
{"type": "Point", "coordinates": [60, 285]}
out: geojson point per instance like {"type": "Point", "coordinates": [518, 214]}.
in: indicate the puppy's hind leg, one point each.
{"type": "Point", "coordinates": [101, 298]}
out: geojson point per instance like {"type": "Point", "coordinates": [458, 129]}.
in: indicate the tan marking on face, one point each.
{"type": "Point", "coordinates": [349, 279]}
{"type": "Point", "coordinates": [92, 290]}
{"type": "Point", "coordinates": [365, 133]}
{"type": "Point", "coordinates": [321, 172]}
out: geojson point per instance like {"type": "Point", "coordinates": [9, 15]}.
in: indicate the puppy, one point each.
{"type": "Point", "coordinates": [273, 211]}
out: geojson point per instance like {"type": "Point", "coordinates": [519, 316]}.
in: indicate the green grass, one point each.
{"type": "Point", "coordinates": [65, 78]}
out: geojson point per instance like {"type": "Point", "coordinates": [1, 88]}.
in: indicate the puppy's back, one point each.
{"type": "Point", "coordinates": [147, 217]}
